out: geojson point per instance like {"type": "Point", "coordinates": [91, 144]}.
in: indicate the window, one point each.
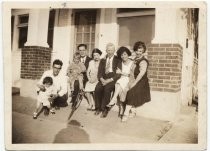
{"type": "Point", "coordinates": [135, 25]}
{"type": "Point", "coordinates": [51, 28]}
{"type": "Point", "coordinates": [85, 22]}
{"type": "Point", "coordinates": [23, 30]}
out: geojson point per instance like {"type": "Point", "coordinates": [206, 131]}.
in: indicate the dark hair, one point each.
{"type": "Point", "coordinates": [48, 80]}
{"type": "Point", "coordinates": [82, 45]}
{"type": "Point", "coordinates": [77, 55]}
{"type": "Point", "coordinates": [121, 50]}
{"type": "Point", "coordinates": [58, 62]}
{"type": "Point", "coordinates": [139, 44]}
{"type": "Point", "coordinates": [96, 50]}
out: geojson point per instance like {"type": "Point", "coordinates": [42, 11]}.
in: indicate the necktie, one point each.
{"type": "Point", "coordinates": [83, 60]}
{"type": "Point", "coordinates": [107, 66]}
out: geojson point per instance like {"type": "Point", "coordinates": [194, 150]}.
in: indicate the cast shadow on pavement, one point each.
{"type": "Point", "coordinates": [73, 133]}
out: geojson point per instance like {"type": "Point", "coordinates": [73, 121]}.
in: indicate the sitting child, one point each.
{"type": "Point", "coordinates": [44, 97]}
{"type": "Point", "coordinates": [74, 72]}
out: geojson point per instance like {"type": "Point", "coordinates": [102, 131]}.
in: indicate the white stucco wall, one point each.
{"type": "Point", "coordinates": [108, 29]}
{"type": "Point", "coordinates": [62, 40]}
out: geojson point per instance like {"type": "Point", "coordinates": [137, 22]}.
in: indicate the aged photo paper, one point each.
{"type": "Point", "coordinates": [163, 108]}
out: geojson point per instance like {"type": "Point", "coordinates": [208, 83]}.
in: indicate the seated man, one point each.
{"type": "Point", "coordinates": [107, 77]}
{"type": "Point", "coordinates": [60, 82]}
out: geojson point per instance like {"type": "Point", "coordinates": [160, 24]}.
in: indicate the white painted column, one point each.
{"type": "Point", "coordinates": [108, 29]}
{"type": "Point", "coordinates": [38, 27]}
{"type": "Point", "coordinates": [63, 40]}
{"type": "Point", "coordinates": [165, 25]}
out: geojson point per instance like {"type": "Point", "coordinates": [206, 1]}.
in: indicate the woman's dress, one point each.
{"type": "Point", "coordinates": [92, 76]}
{"type": "Point", "coordinates": [140, 93]}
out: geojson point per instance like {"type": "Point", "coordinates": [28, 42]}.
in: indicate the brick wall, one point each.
{"type": "Point", "coordinates": [35, 60]}
{"type": "Point", "coordinates": [165, 67]}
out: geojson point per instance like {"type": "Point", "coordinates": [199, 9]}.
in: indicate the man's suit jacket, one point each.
{"type": "Point", "coordinates": [116, 63]}
{"type": "Point", "coordinates": [87, 60]}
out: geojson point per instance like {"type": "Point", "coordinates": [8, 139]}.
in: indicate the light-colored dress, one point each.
{"type": "Point", "coordinates": [123, 81]}
{"type": "Point", "coordinates": [92, 73]}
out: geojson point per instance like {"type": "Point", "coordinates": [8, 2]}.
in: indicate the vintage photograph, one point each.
{"type": "Point", "coordinates": [116, 73]}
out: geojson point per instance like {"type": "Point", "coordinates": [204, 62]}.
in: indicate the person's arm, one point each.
{"type": "Point", "coordinates": [119, 65]}
{"type": "Point", "coordinates": [101, 70]}
{"type": "Point", "coordinates": [88, 71]}
{"type": "Point", "coordinates": [142, 68]}
{"type": "Point", "coordinates": [40, 85]}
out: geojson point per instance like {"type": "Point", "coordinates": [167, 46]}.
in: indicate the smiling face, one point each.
{"type": "Point", "coordinates": [124, 56]}
{"type": "Point", "coordinates": [139, 51]}
{"type": "Point", "coordinates": [56, 69]}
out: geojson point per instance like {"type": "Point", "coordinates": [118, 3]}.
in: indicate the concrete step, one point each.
{"type": "Point", "coordinates": [15, 91]}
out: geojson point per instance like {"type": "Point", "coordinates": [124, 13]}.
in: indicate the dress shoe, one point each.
{"type": "Point", "coordinates": [97, 112]}
{"type": "Point", "coordinates": [104, 114]}
{"type": "Point", "coordinates": [110, 105]}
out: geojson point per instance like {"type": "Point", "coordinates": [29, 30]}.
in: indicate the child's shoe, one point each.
{"type": "Point", "coordinates": [52, 111]}
{"type": "Point", "coordinates": [35, 115]}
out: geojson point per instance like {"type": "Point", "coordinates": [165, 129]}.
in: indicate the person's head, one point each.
{"type": "Point", "coordinates": [96, 53]}
{"type": "Point", "coordinates": [139, 48]}
{"type": "Point", "coordinates": [76, 58]}
{"type": "Point", "coordinates": [57, 65]}
{"type": "Point", "coordinates": [47, 82]}
{"type": "Point", "coordinates": [123, 53]}
{"type": "Point", "coordinates": [82, 48]}
{"type": "Point", "coordinates": [110, 49]}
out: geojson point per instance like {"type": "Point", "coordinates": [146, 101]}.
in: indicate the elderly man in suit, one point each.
{"type": "Point", "coordinates": [107, 77]}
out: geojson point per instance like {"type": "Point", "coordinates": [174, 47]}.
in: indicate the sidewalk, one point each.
{"type": "Point", "coordinates": [85, 127]}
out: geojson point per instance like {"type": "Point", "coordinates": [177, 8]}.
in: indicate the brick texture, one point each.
{"type": "Point", "coordinates": [165, 67]}
{"type": "Point", "coordinates": [35, 60]}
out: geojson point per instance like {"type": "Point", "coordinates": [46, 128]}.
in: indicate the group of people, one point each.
{"type": "Point", "coordinates": [106, 82]}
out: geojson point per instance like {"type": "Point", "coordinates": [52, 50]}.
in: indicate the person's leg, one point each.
{"type": "Point", "coordinates": [39, 107]}
{"type": "Point", "coordinates": [98, 95]}
{"type": "Point", "coordinates": [88, 95]}
{"type": "Point", "coordinates": [121, 109]}
{"type": "Point", "coordinates": [108, 89]}
{"type": "Point", "coordinates": [93, 101]}
{"type": "Point", "coordinates": [81, 86]}
{"type": "Point", "coordinates": [117, 91]}
{"type": "Point", "coordinates": [126, 113]}
{"type": "Point", "coordinates": [75, 92]}
{"type": "Point", "coordinates": [133, 112]}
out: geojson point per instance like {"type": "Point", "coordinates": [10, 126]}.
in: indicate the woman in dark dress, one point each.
{"type": "Point", "coordinates": [139, 90]}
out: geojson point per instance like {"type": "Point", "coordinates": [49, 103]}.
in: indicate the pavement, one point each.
{"type": "Point", "coordinates": [85, 127]}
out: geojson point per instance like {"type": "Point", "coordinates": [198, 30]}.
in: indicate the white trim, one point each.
{"type": "Point", "coordinates": [140, 13]}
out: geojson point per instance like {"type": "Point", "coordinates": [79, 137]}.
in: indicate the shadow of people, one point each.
{"type": "Point", "coordinates": [72, 134]}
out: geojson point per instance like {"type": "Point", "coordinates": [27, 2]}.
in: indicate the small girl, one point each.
{"type": "Point", "coordinates": [44, 95]}
{"type": "Point", "coordinates": [74, 72]}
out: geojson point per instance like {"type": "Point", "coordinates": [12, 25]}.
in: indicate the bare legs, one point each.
{"type": "Point", "coordinates": [129, 112]}
{"type": "Point", "coordinates": [91, 101]}
{"type": "Point", "coordinates": [117, 91]}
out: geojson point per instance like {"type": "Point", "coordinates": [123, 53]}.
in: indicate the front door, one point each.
{"type": "Point", "coordinates": [85, 23]}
